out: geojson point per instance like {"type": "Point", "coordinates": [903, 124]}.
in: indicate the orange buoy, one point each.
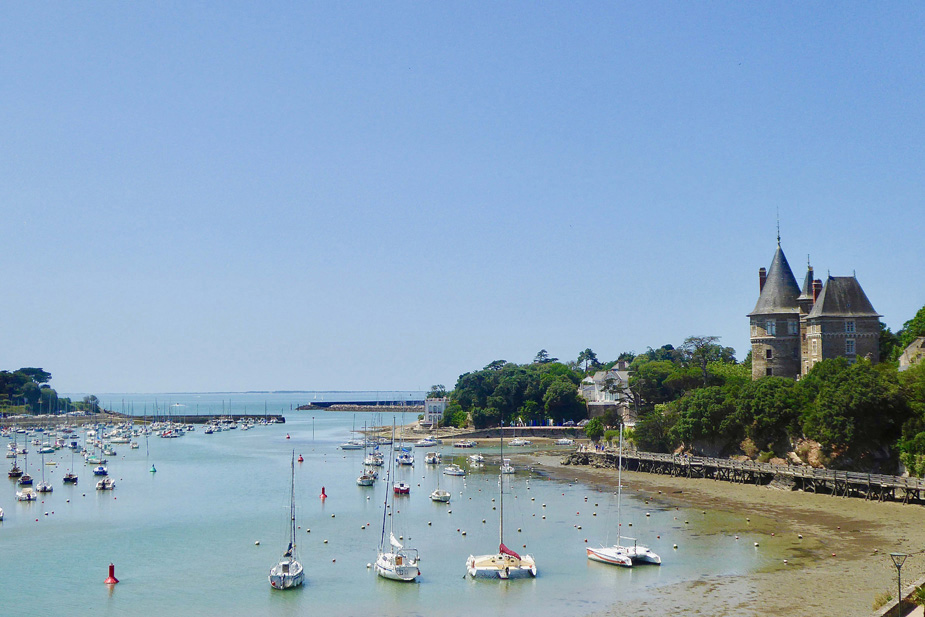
{"type": "Point", "coordinates": [301, 460]}
{"type": "Point", "coordinates": [112, 580]}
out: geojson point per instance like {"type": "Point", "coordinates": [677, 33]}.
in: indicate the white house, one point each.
{"type": "Point", "coordinates": [433, 411]}
{"type": "Point", "coordinates": [606, 390]}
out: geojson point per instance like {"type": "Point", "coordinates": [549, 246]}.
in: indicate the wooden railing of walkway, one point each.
{"type": "Point", "coordinates": [877, 487]}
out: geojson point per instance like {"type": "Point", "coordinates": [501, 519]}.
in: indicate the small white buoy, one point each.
{"type": "Point", "coordinates": [756, 544]}
{"type": "Point", "coordinates": [675, 546]}
{"type": "Point", "coordinates": [368, 566]}
{"type": "Point", "coordinates": [257, 543]}
{"type": "Point", "coordinates": [325, 541]}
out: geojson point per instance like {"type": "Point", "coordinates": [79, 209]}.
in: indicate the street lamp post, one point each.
{"type": "Point", "coordinates": [898, 559]}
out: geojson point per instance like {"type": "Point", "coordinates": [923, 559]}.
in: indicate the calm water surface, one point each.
{"type": "Point", "coordinates": [183, 539]}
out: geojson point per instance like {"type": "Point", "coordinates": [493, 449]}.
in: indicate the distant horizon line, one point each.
{"type": "Point", "coordinates": [246, 392]}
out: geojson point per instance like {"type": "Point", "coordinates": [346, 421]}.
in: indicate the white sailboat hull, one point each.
{"type": "Point", "coordinates": [397, 567]}
{"type": "Point", "coordinates": [286, 574]}
{"type": "Point", "coordinates": [500, 566]}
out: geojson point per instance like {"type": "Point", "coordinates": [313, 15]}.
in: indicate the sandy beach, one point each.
{"type": "Point", "coordinates": [837, 568]}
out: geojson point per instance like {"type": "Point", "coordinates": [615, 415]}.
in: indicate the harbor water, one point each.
{"type": "Point", "coordinates": [184, 540]}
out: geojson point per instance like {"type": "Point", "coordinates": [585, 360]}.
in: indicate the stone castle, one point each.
{"type": "Point", "coordinates": [793, 328]}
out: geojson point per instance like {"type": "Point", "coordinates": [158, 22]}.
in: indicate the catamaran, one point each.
{"type": "Point", "coordinates": [288, 572]}
{"type": "Point", "coordinates": [505, 564]}
{"type": "Point", "coordinates": [620, 554]}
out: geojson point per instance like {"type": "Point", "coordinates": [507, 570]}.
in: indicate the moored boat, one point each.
{"type": "Point", "coordinates": [288, 573]}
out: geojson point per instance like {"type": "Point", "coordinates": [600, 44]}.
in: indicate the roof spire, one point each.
{"type": "Point", "coordinates": [778, 226]}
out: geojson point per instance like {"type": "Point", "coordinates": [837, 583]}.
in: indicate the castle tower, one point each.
{"type": "Point", "coordinates": [775, 321]}
{"type": "Point", "coordinates": [842, 322]}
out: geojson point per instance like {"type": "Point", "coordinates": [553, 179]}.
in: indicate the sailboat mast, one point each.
{"type": "Point", "coordinates": [501, 489]}
{"type": "Point", "coordinates": [620, 487]}
{"type": "Point", "coordinates": [292, 503]}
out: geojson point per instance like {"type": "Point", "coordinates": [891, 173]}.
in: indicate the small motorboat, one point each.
{"type": "Point", "coordinates": [70, 478]}
{"type": "Point", "coordinates": [427, 442]}
{"type": "Point", "coordinates": [99, 470]}
{"type": "Point", "coordinates": [477, 458]}
{"type": "Point", "coordinates": [454, 470]}
{"type": "Point", "coordinates": [506, 466]}
{"type": "Point", "coordinates": [565, 441]}
{"type": "Point", "coordinates": [106, 484]}
{"type": "Point", "coordinates": [405, 458]}
{"type": "Point", "coordinates": [27, 494]}
{"type": "Point", "coordinates": [440, 496]}
{"type": "Point", "coordinates": [25, 480]}
{"type": "Point", "coordinates": [402, 488]}
{"type": "Point", "coordinates": [432, 458]}
{"type": "Point", "coordinates": [464, 443]}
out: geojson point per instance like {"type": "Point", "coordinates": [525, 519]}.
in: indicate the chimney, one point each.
{"type": "Point", "coordinates": [762, 277]}
{"type": "Point", "coordinates": [817, 289]}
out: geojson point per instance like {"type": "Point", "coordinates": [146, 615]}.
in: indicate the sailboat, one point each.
{"type": "Point", "coordinates": [619, 554]}
{"type": "Point", "coordinates": [25, 479]}
{"type": "Point", "coordinates": [394, 561]}
{"type": "Point", "coordinates": [288, 572]}
{"type": "Point", "coordinates": [368, 477]}
{"type": "Point", "coordinates": [70, 477]}
{"type": "Point", "coordinates": [505, 564]}
{"type": "Point", "coordinates": [43, 487]}
{"type": "Point", "coordinates": [15, 471]}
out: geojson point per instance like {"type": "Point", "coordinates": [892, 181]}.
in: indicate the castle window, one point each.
{"type": "Point", "coordinates": [849, 346]}
{"type": "Point", "coordinates": [754, 330]}
{"type": "Point", "coordinates": [771, 328]}
{"type": "Point", "coordinates": [769, 371]}
{"type": "Point", "coordinates": [792, 327]}
{"type": "Point", "coordinates": [769, 353]}
{"type": "Point", "coordinates": [849, 326]}
{"type": "Point", "coordinates": [814, 345]}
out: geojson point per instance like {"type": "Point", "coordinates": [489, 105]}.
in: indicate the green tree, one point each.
{"type": "Point", "coordinates": [768, 411]}
{"type": "Point", "coordinates": [485, 417]}
{"type": "Point", "coordinates": [437, 391]}
{"type": "Point", "coordinates": [37, 375]}
{"type": "Point", "coordinates": [705, 414]}
{"type": "Point", "coordinates": [654, 429]}
{"type": "Point", "coordinates": [542, 357]}
{"type": "Point", "coordinates": [562, 401]}
{"type": "Point", "coordinates": [912, 329]}
{"type": "Point", "coordinates": [858, 407]}
{"type": "Point", "coordinates": [594, 429]}
{"type": "Point", "coordinates": [702, 350]}
{"type": "Point", "coordinates": [589, 358]}
{"type": "Point", "coordinates": [889, 344]}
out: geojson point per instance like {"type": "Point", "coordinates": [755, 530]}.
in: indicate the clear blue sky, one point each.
{"type": "Point", "coordinates": [370, 195]}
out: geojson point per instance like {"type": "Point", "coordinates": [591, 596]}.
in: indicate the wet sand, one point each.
{"type": "Point", "coordinates": [860, 534]}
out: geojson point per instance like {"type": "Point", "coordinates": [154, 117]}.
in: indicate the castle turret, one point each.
{"type": "Point", "coordinates": [775, 322]}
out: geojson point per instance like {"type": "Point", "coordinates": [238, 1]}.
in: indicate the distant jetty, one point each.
{"type": "Point", "coordinates": [365, 406]}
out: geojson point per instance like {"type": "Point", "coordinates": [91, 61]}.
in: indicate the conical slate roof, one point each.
{"type": "Point", "coordinates": [807, 293]}
{"type": "Point", "coordinates": [780, 291]}
{"type": "Point", "coordinates": [842, 296]}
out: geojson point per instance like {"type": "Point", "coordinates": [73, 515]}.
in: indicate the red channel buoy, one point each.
{"type": "Point", "coordinates": [301, 460]}
{"type": "Point", "coordinates": [112, 580]}
{"type": "Point", "coordinates": [287, 435]}
{"type": "Point", "coordinates": [323, 494]}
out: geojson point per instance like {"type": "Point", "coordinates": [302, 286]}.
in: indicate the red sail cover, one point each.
{"type": "Point", "coordinates": [506, 551]}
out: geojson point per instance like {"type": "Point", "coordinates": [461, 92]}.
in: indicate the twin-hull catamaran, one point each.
{"type": "Point", "coordinates": [505, 564]}
{"type": "Point", "coordinates": [620, 554]}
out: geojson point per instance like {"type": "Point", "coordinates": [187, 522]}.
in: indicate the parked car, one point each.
{"type": "Point", "coordinates": [569, 423]}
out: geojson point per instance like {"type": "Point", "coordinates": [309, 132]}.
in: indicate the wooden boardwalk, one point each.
{"type": "Point", "coordinates": [876, 487]}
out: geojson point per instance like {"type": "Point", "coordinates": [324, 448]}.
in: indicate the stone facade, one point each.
{"type": "Point", "coordinates": [793, 328]}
